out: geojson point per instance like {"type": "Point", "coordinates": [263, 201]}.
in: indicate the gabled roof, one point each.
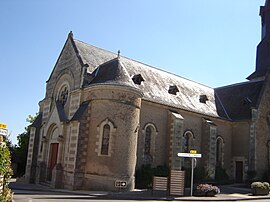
{"type": "Point", "coordinates": [238, 99]}
{"type": "Point", "coordinates": [232, 102]}
{"type": "Point", "coordinates": [157, 82]}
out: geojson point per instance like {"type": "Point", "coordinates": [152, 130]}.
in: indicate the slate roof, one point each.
{"type": "Point", "coordinates": [61, 112]}
{"type": "Point", "coordinates": [80, 111]}
{"type": "Point", "coordinates": [157, 83]}
{"type": "Point", "coordinates": [112, 72]}
{"type": "Point", "coordinates": [37, 122]}
{"type": "Point", "coordinates": [238, 99]}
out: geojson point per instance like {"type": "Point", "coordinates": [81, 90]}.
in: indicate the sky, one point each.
{"type": "Point", "coordinates": [208, 41]}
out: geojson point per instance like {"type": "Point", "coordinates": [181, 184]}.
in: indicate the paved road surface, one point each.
{"type": "Point", "coordinates": [37, 193]}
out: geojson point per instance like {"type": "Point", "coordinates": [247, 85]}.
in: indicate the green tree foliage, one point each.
{"type": "Point", "coordinates": [20, 150]}
{"type": "Point", "coordinates": [6, 172]}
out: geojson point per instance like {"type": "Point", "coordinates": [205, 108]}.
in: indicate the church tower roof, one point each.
{"type": "Point", "coordinates": [263, 48]}
{"type": "Point", "coordinates": [112, 72]}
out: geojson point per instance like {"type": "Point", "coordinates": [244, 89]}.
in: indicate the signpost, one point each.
{"type": "Point", "coordinates": [193, 155]}
{"type": "Point", "coordinates": [120, 184]}
{"type": "Point", "coordinates": [3, 129]}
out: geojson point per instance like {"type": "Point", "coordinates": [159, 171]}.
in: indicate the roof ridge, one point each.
{"type": "Point", "coordinates": [239, 84]}
{"type": "Point", "coordinates": [150, 66]}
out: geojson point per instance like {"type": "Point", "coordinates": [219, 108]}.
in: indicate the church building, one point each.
{"type": "Point", "coordinates": [105, 115]}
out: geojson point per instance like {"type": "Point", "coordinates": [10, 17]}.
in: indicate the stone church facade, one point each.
{"type": "Point", "coordinates": [104, 115]}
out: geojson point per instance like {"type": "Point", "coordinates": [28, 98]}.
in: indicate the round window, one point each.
{"type": "Point", "coordinates": [63, 95]}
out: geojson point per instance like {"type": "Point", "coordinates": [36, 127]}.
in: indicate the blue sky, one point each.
{"type": "Point", "coordinates": [208, 41]}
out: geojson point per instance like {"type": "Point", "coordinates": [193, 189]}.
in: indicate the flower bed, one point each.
{"type": "Point", "coordinates": [206, 190]}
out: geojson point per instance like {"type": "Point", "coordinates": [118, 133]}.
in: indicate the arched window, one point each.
{"type": "Point", "coordinates": [105, 140]}
{"type": "Point", "coordinates": [219, 152]}
{"type": "Point", "coordinates": [187, 145]}
{"type": "Point", "coordinates": [106, 133]}
{"type": "Point", "coordinates": [147, 140]}
{"type": "Point", "coordinates": [187, 141]}
{"type": "Point", "coordinates": [149, 134]}
{"type": "Point", "coordinates": [63, 94]}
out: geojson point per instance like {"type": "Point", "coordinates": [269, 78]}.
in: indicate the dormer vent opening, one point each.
{"type": "Point", "coordinates": [137, 79]}
{"type": "Point", "coordinates": [173, 90]}
{"type": "Point", "coordinates": [203, 99]}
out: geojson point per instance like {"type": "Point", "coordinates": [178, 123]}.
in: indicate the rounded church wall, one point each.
{"type": "Point", "coordinates": [118, 110]}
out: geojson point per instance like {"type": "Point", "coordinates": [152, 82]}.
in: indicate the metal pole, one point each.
{"type": "Point", "coordinates": [192, 170]}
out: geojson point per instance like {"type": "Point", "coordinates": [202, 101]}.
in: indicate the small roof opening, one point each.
{"type": "Point", "coordinates": [137, 79]}
{"type": "Point", "coordinates": [173, 89]}
{"type": "Point", "coordinates": [203, 99]}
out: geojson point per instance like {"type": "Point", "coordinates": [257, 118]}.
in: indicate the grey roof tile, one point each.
{"type": "Point", "coordinates": [61, 112]}
{"type": "Point", "coordinates": [80, 111]}
{"type": "Point", "coordinates": [238, 99]}
{"type": "Point", "coordinates": [157, 82]}
{"type": "Point", "coordinates": [112, 72]}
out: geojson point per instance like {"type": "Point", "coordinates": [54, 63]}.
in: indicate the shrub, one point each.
{"type": "Point", "coordinates": [221, 177]}
{"type": "Point", "coordinates": [144, 175]}
{"type": "Point", "coordinates": [261, 185]}
{"type": "Point", "coordinates": [260, 188]}
{"type": "Point", "coordinates": [5, 171]}
{"type": "Point", "coordinates": [251, 174]}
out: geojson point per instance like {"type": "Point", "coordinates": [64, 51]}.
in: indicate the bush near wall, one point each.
{"type": "Point", "coordinates": [144, 175]}
{"type": "Point", "coordinates": [5, 172]}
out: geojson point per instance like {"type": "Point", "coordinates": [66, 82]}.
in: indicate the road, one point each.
{"type": "Point", "coordinates": [24, 192]}
{"type": "Point", "coordinates": [38, 196]}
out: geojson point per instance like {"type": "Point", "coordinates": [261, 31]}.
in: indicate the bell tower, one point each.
{"type": "Point", "coordinates": [263, 48]}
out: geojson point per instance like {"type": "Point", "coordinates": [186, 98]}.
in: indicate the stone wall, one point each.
{"type": "Point", "coordinates": [119, 107]}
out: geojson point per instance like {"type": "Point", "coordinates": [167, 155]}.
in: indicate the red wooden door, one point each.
{"type": "Point", "coordinates": [52, 159]}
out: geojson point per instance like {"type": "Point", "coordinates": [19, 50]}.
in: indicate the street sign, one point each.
{"type": "Point", "coordinates": [193, 155]}
{"type": "Point", "coordinates": [189, 155]}
{"type": "Point", "coordinates": [193, 151]}
{"type": "Point", "coordinates": [3, 126]}
{"type": "Point", "coordinates": [3, 132]}
{"type": "Point", "coordinates": [120, 184]}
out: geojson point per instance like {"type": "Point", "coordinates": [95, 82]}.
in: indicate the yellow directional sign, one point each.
{"type": "Point", "coordinates": [193, 151]}
{"type": "Point", "coordinates": [3, 126]}
{"type": "Point", "coordinates": [3, 129]}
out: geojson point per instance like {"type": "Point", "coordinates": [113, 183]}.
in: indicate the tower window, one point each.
{"type": "Point", "coordinates": [105, 140]}
{"type": "Point", "coordinates": [104, 145]}
{"type": "Point", "coordinates": [173, 89]}
{"type": "Point", "coordinates": [137, 79]}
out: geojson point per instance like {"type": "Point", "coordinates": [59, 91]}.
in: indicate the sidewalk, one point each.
{"type": "Point", "coordinates": [228, 193]}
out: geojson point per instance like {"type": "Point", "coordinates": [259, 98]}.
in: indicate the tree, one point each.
{"type": "Point", "coordinates": [5, 171]}
{"type": "Point", "coordinates": [21, 150]}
